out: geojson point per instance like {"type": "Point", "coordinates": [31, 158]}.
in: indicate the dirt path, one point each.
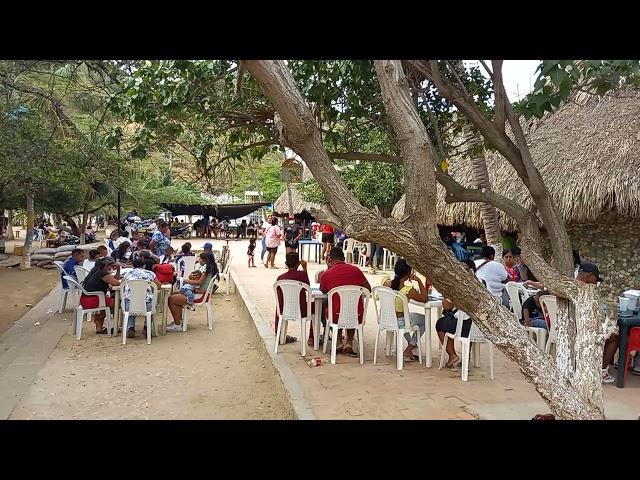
{"type": "Point", "coordinates": [198, 374]}
{"type": "Point", "coordinates": [19, 288]}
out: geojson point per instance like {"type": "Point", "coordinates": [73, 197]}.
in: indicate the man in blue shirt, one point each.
{"type": "Point", "coordinates": [160, 239]}
{"type": "Point", "coordinates": [76, 258]}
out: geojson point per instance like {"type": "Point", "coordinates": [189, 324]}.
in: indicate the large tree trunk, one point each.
{"type": "Point", "coordinates": [10, 235]}
{"type": "Point", "coordinates": [289, 198]}
{"type": "Point", "coordinates": [488, 212]}
{"type": "Point", "coordinates": [72, 225]}
{"type": "Point", "coordinates": [25, 263]}
{"type": "Point", "coordinates": [85, 216]}
{"type": "Point", "coordinates": [416, 238]}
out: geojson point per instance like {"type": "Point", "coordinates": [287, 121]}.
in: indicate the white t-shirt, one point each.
{"type": "Point", "coordinates": [494, 274]}
{"type": "Point", "coordinates": [88, 264]}
{"type": "Point", "coordinates": [118, 241]}
{"type": "Point", "coordinates": [265, 227]}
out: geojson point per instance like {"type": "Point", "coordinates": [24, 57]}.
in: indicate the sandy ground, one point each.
{"type": "Point", "coordinates": [198, 374]}
{"type": "Point", "coordinates": [19, 288]}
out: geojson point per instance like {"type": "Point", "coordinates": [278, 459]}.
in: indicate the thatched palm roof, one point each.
{"type": "Point", "coordinates": [281, 205]}
{"type": "Point", "coordinates": [588, 155]}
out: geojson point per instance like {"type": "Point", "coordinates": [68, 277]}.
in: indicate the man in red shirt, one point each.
{"type": "Point", "coordinates": [340, 274]}
{"type": "Point", "coordinates": [293, 262]}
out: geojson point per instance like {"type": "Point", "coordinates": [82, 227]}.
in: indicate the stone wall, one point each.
{"type": "Point", "coordinates": [613, 244]}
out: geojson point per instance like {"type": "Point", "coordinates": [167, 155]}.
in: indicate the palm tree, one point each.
{"type": "Point", "coordinates": [481, 178]}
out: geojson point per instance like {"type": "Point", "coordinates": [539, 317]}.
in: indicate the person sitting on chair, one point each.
{"type": "Point", "coordinates": [532, 311]}
{"type": "Point", "coordinates": [404, 273]}
{"type": "Point", "coordinates": [293, 273]}
{"type": "Point", "coordinates": [340, 274]}
{"type": "Point", "coordinates": [448, 324]}
{"type": "Point", "coordinates": [138, 273]}
{"type": "Point", "coordinates": [89, 263]}
{"type": "Point", "coordinates": [76, 258]}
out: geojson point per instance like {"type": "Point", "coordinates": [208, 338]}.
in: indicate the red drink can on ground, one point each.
{"type": "Point", "coordinates": [314, 362]}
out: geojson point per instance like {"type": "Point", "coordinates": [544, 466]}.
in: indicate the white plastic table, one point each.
{"type": "Point", "coordinates": [309, 244]}
{"type": "Point", "coordinates": [317, 296]}
{"type": "Point", "coordinates": [429, 307]}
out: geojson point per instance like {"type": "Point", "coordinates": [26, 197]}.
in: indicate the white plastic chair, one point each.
{"type": "Point", "coordinates": [201, 299]}
{"type": "Point", "coordinates": [81, 273]}
{"type": "Point", "coordinates": [476, 337]}
{"type": "Point", "coordinates": [109, 249]}
{"type": "Point", "coordinates": [81, 312]}
{"type": "Point", "coordinates": [186, 265]}
{"type": "Point", "coordinates": [64, 292]}
{"type": "Point", "coordinates": [388, 321]}
{"type": "Point", "coordinates": [389, 259]}
{"type": "Point", "coordinates": [517, 294]}
{"type": "Point", "coordinates": [362, 257]}
{"type": "Point", "coordinates": [290, 310]}
{"type": "Point", "coordinates": [347, 317]}
{"type": "Point", "coordinates": [347, 249]}
{"type": "Point", "coordinates": [138, 305]}
{"type": "Point", "coordinates": [550, 310]}
{"type": "Point", "coordinates": [225, 275]}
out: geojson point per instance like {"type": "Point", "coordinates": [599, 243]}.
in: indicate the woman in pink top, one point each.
{"type": "Point", "coordinates": [273, 235]}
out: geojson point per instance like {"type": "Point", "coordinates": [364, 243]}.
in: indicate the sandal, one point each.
{"type": "Point", "coordinates": [348, 351]}
{"type": "Point", "coordinates": [102, 332]}
{"type": "Point", "coordinates": [290, 339]}
{"type": "Point", "coordinates": [455, 363]}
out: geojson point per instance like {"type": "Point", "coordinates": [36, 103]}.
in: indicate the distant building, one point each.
{"type": "Point", "coordinates": [252, 196]}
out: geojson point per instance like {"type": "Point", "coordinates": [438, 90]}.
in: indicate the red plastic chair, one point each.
{"type": "Point", "coordinates": [633, 345]}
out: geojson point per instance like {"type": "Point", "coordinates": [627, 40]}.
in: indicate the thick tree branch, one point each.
{"type": "Point", "coordinates": [489, 131]}
{"type": "Point", "coordinates": [368, 157]}
{"type": "Point", "coordinates": [499, 95]}
{"type": "Point", "coordinates": [298, 130]}
{"type": "Point", "coordinates": [414, 142]}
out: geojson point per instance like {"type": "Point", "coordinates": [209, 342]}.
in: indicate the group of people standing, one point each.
{"type": "Point", "coordinates": [207, 226]}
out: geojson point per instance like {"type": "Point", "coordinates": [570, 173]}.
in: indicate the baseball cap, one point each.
{"type": "Point", "coordinates": [591, 268]}
{"type": "Point", "coordinates": [208, 245]}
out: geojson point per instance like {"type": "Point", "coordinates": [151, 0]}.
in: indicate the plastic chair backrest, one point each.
{"type": "Point", "coordinates": [60, 266]}
{"type": "Point", "coordinates": [228, 265]}
{"type": "Point", "coordinates": [513, 290]}
{"type": "Point", "coordinates": [549, 309]}
{"type": "Point", "coordinates": [349, 243]}
{"type": "Point", "coordinates": [138, 295]}
{"type": "Point", "coordinates": [186, 265]}
{"type": "Point", "coordinates": [386, 314]}
{"type": "Point", "coordinates": [73, 284]}
{"type": "Point", "coordinates": [475, 334]}
{"type": "Point", "coordinates": [291, 298]}
{"type": "Point", "coordinates": [460, 317]}
{"type": "Point", "coordinates": [81, 273]}
{"type": "Point", "coordinates": [207, 294]}
{"type": "Point", "coordinates": [349, 296]}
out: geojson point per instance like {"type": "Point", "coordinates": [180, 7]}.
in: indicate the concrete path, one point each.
{"type": "Point", "coordinates": [25, 348]}
{"type": "Point", "coordinates": [350, 390]}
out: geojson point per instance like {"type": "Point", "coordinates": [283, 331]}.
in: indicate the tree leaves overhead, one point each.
{"type": "Point", "coordinates": [559, 79]}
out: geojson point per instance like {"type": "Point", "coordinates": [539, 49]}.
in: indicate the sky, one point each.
{"type": "Point", "coordinates": [518, 75]}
